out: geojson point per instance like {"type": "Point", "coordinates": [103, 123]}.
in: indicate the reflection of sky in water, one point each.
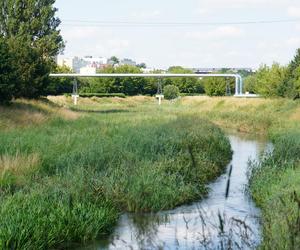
{"type": "Point", "coordinates": [194, 225]}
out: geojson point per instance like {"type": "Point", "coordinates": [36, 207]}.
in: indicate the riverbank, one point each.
{"type": "Point", "coordinates": [66, 178]}
{"type": "Point", "coordinates": [60, 140]}
{"type": "Point", "coordinates": [275, 182]}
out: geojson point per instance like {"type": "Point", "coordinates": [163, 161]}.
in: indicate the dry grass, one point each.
{"type": "Point", "coordinates": [19, 164]}
{"type": "Point", "coordinates": [26, 113]}
{"type": "Point", "coordinates": [296, 115]}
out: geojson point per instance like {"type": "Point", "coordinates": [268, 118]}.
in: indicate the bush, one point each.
{"type": "Point", "coordinates": [121, 95]}
{"type": "Point", "coordinates": [171, 92]}
{"type": "Point", "coordinates": [190, 94]}
{"type": "Point", "coordinates": [60, 85]}
{"type": "Point", "coordinates": [216, 86]}
{"type": "Point", "coordinates": [268, 81]}
{"type": "Point", "coordinates": [7, 84]}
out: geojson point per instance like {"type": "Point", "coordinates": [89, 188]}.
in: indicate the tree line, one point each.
{"type": "Point", "coordinates": [276, 80]}
{"type": "Point", "coordinates": [30, 41]}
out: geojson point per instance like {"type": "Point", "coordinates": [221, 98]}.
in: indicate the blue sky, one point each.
{"type": "Point", "coordinates": [222, 45]}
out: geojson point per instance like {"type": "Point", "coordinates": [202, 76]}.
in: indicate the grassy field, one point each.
{"type": "Point", "coordinates": [66, 173]}
{"type": "Point", "coordinates": [79, 167]}
{"type": "Point", "coordinates": [275, 182]}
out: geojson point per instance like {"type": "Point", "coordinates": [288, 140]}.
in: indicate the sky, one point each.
{"type": "Point", "coordinates": [224, 44]}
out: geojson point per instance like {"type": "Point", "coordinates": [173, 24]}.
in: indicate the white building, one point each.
{"type": "Point", "coordinates": [127, 61]}
{"type": "Point", "coordinates": [87, 70]}
{"type": "Point", "coordinates": [76, 63]}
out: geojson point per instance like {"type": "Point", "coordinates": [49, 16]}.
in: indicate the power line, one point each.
{"type": "Point", "coordinates": [74, 22]}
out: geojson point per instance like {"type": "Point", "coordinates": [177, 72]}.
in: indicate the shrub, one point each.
{"type": "Point", "coordinates": [121, 95]}
{"type": "Point", "coordinates": [216, 86]}
{"type": "Point", "coordinates": [7, 83]}
{"type": "Point", "coordinates": [171, 92]}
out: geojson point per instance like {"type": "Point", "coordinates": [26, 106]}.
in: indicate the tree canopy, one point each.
{"type": "Point", "coordinates": [30, 30]}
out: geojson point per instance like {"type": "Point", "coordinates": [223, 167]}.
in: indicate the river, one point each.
{"type": "Point", "coordinates": [216, 222]}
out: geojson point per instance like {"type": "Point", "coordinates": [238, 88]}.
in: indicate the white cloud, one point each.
{"type": "Point", "coordinates": [146, 14]}
{"type": "Point", "coordinates": [220, 32]}
{"type": "Point", "coordinates": [293, 11]}
{"type": "Point", "coordinates": [202, 11]}
{"type": "Point", "coordinates": [293, 41]}
{"type": "Point", "coordinates": [94, 41]}
{"type": "Point", "coordinates": [242, 3]}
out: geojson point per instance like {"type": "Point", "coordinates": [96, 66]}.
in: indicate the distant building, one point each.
{"type": "Point", "coordinates": [87, 70]}
{"type": "Point", "coordinates": [76, 63]}
{"type": "Point", "coordinates": [127, 61]}
{"type": "Point", "coordinates": [215, 70]}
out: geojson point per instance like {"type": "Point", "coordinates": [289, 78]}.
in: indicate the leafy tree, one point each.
{"type": "Point", "coordinates": [268, 81]}
{"type": "Point", "coordinates": [216, 86]}
{"type": "Point", "coordinates": [291, 86]}
{"type": "Point", "coordinates": [58, 86]}
{"type": "Point", "coordinates": [185, 84]}
{"type": "Point", "coordinates": [114, 60]}
{"type": "Point", "coordinates": [30, 29]}
{"type": "Point", "coordinates": [128, 85]}
{"type": "Point", "coordinates": [171, 92]}
{"type": "Point", "coordinates": [7, 74]}
{"type": "Point", "coordinates": [250, 84]}
{"type": "Point", "coordinates": [142, 65]}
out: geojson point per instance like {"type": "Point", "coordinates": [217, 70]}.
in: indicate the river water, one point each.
{"type": "Point", "coordinates": [216, 222]}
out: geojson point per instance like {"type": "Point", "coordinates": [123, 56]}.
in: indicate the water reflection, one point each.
{"type": "Point", "coordinates": [216, 222]}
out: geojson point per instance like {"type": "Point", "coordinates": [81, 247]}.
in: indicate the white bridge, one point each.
{"type": "Point", "coordinates": [237, 77]}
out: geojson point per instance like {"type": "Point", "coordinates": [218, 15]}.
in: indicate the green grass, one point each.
{"type": "Point", "coordinates": [110, 155]}
{"type": "Point", "coordinates": [67, 180]}
{"type": "Point", "coordinates": [275, 182]}
{"type": "Point", "coordinates": [275, 186]}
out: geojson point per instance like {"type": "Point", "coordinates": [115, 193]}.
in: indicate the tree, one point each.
{"type": "Point", "coordinates": [30, 29]}
{"type": "Point", "coordinates": [291, 86]}
{"type": "Point", "coordinates": [268, 81]}
{"type": "Point", "coordinates": [142, 65]}
{"type": "Point", "coordinates": [127, 85]}
{"type": "Point", "coordinates": [217, 86]}
{"type": "Point", "coordinates": [214, 86]}
{"type": "Point", "coordinates": [171, 92]}
{"type": "Point", "coordinates": [7, 76]}
{"type": "Point", "coordinates": [58, 86]}
{"type": "Point", "coordinates": [185, 84]}
{"type": "Point", "coordinates": [114, 60]}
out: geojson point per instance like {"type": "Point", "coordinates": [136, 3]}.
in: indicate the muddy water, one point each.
{"type": "Point", "coordinates": [216, 222]}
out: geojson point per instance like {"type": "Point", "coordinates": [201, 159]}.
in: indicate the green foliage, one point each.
{"type": "Point", "coordinates": [275, 187]}
{"type": "Point", "coordinates": [95, 166]}
{"type": "Point", "coordinates": [268, 81]}
{"type": "Point", "coordinates": [7, 74]}
{"type": "Point", "coordinates": [250, 83]}
{"type": "Point", "coordinates": [48, 217]}
{"type": "Point", "coordinates": [33, 39]}
{"type": "Point", "coordinates": [185, 84]}
{"type": "Point", "coordinates": [114, 60]}
{"type": "Point", "coordinates": [216, 86]}
{"type": "Point", "coordinates": [292, 80]}
{"type": "Point", "coordinates": [128, 86]}
{"type": "Point", "coordinates": [58, 86]}
{"type": "Point", "coordinates": [171, 92]}
{"type": "Point", "coordinates": [121, 95]}
{"type": "Point", "coordinates": [138, 86]}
